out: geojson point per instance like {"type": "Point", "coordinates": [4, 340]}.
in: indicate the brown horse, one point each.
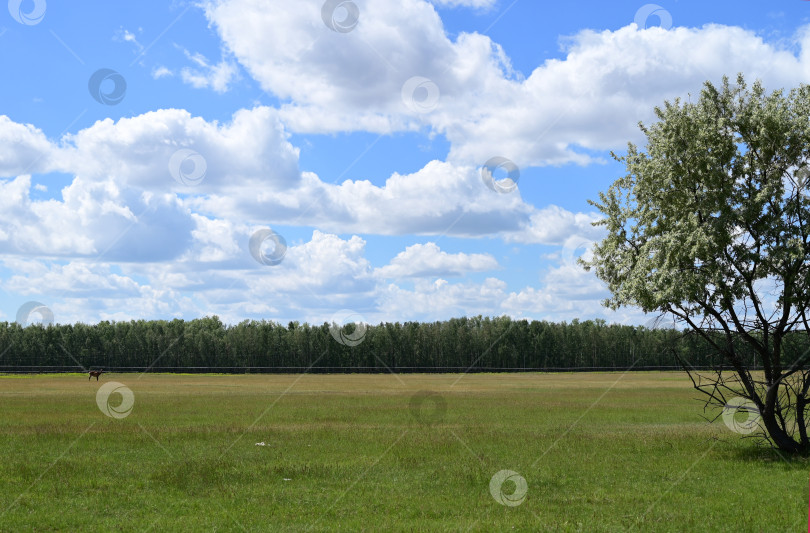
{"type": "Point", "coordinates": [95, 374]}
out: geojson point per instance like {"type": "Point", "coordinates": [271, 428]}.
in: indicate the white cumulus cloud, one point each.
{"type": "Point", "coordinates": [428, 260]}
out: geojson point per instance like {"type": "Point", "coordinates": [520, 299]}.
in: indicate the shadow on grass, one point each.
{"type": "Point", "coordinates": [751, 451]}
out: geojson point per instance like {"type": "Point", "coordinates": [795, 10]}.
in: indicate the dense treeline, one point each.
{"type": "Point", "coordinates": [476, 343]}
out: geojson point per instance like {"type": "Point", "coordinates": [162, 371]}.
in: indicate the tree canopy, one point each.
{"type": "Point", "coordinates": [459, 344]}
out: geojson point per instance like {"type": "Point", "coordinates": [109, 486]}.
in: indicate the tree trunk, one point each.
{"type": "Point", "coordinates": [780, 438]}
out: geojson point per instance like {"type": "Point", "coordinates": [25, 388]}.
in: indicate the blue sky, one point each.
{"type": "Point", "coordinates": [133, 192]}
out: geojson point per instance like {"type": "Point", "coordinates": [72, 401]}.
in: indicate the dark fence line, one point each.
{"type": "Point", "coordinates": [333, 369]}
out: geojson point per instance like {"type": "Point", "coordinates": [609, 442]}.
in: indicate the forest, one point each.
{"type": "Point", "coordinates": [473, 344]}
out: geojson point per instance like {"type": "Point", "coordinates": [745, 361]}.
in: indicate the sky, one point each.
{"type": "Point", "coordinates": [311, 161]}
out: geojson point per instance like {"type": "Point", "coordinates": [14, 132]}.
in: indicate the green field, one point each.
{"type": "Point", "coordinates": [599, 452]}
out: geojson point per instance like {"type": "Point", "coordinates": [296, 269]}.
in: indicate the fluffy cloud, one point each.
{"type": "Point", "coordinates": [352, 81]}
{"type": "Point", "coordinates": [126, 203]}
{"type": "Point", "coordinates": [315, 279]}
{"type": "Point", "coordinates": [73, 280]}
{"type": "Point", "coordinates": [440, 299]}
{"type": "Point", "coordinates": [591, 100]}
{"type": "Point", "coordinates": [23, 149]}
{"type": "Point", "coordinates": [555, 225]}
{"type": "Point", "coordinates": [94, 219]}
{"type": "Point", "coordinates": [251, 150]}
{"type": "Point", "coordinates": [609, 81]}
{"type": "Point", "coordinates": [428, 260]}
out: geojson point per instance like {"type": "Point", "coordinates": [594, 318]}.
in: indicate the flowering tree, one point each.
{"type": "Point", "coordinates": [711, 224]}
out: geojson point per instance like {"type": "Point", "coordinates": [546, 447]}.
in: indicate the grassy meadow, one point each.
{"type": "Point", "coordinates": [598, 452]}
